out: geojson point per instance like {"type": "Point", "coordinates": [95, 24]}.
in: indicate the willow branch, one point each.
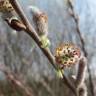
{"type": "Point", "coordinates": [30, 30]}
{"type": "Point", "coordinates": [76, 19]}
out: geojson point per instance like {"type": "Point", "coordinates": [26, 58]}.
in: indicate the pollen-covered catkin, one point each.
{"type": "Point", "coordinates": [5, 6]}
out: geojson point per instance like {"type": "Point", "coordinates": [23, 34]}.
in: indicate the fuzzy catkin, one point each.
{"type": "Point", "coordinates": [40, 21]}
{"type": "Point", "coordinates": [83, 90]}
{"type": "Point", "coordinates": [81, 72]}
{"type": "Point", "coordinates": [5, 6]}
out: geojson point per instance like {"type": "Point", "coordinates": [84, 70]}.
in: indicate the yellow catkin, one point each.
{"type": "Point", "coordinates": [5, 6]}
{"type": "Point", "coordinates": [67, 54]}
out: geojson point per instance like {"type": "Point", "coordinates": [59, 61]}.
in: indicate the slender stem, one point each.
{"type": "Point", "coordinates": [76, 19]}
{"type": "Point", "coordinates": [30, 30]}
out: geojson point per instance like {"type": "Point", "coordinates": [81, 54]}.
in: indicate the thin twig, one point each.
{"type": "Point", "coordinates": [30, 30]}
{"type": "Point", "coordinates": [15, 81]}
{"type": "Point", "coordinates": [76, 19]}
